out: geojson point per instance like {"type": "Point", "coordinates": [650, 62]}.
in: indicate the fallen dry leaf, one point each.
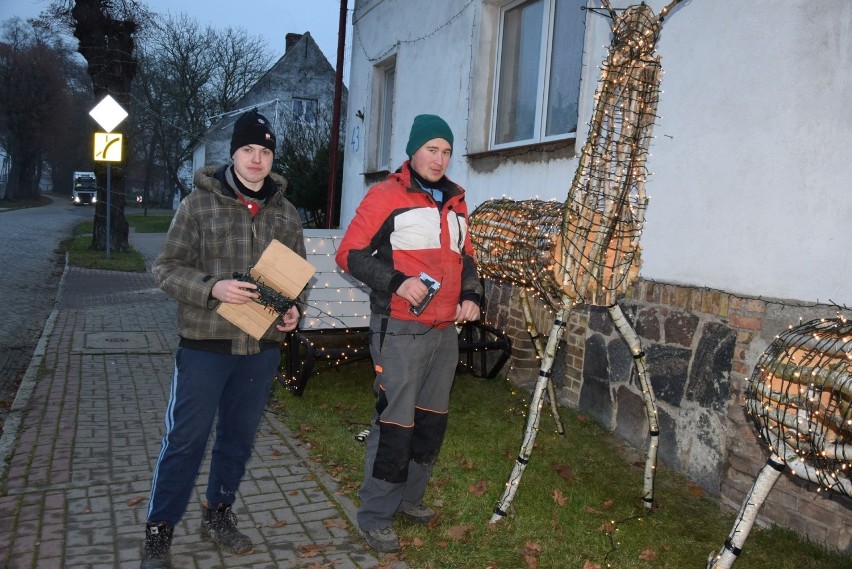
{"type": "Point", "coordinates": [564, 471]}
{"type": "Point", "coordinates": [278, 524]}
{"type": "Point", "coordinates": [607, 527]}
{"type": "Point", "coordinates": [336, 523]}
{"type": "Point", "coordinates": [607, 504]}
{"type": "Point", "coordinates": [464, 462]}
{"type": "Point", "coordinates": [135, 500]}
{"type": "Point", "coordinates": [590, 510]}
{"type": "Point", "coordinates": [418, 542]}
{"type": "Point", "coordinates": [389, 561]}
{"type": "Point", "coordinates": [559, 497]}
{"type": "Point", "coordinates": [442, 482]}
{"type": "Point", "coordinates": [459, 532]}
{"type": "Point", "coordinates": [479, 488]}
{"type": "Point", "coordinates": [648, 555]}
{"type": "Point", "coordinates": [311, 549]}
{"type": "Point", "coordinates": [531, 552]}
{"type": "Point", "coordinates": [589, 565]}
{"type": "Point", "coordinates": [694, 489]}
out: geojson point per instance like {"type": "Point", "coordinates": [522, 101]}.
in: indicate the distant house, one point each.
{"type": "Point", "coordinates": [300, 83]}
{"type": "Point", "coordinates": [746, 230]}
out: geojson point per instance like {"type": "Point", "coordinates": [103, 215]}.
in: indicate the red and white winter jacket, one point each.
{"type": "Point", "coordinates": [398, 232]}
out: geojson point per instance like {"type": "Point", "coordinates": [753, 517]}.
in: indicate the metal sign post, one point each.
{"type": "Point", "coordinates": [108, 113]}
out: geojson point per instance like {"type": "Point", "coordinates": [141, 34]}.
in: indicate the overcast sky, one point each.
{"type": "Point", "coordinates": [272, 19]}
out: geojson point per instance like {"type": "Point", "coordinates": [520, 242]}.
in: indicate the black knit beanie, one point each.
{"type": "Point", "coordinates": [252, 128]}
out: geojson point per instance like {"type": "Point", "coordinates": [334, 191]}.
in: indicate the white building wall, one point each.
{"type": "Point", "coordinates": [750, 163]}
{"type": "Point", "coordinates": [751, 157]}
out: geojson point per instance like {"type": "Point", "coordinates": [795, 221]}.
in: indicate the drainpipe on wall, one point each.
{"type": "Point", "coordinates": [335, 117]}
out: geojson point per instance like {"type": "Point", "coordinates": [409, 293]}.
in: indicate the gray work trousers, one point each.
{"type": "Point", "coordinates": [415, 366]}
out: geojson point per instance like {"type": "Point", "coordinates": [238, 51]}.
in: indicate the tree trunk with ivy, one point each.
{"type": "Point", "coordinates": [107, 44]}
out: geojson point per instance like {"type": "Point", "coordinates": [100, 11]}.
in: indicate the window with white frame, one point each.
{"type": "Point", "coordinates": [387, 79]}
{"type": "Point", "coordinates": [304, 109]}
{"type": "Point", "coordinates": [539, 61]}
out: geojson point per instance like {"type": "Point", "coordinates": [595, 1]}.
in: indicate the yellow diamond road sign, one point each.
{"type": "Point", "coordinates": [107, 147]}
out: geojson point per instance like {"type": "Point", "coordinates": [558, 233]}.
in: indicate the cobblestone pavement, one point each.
{"type": "Point", "coordinates": [83, 435]}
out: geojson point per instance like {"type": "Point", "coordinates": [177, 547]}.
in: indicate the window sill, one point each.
{"type": "Point", "coordinates": [375, 176]}
{"type": "Point", "coordinates": [490, 160]}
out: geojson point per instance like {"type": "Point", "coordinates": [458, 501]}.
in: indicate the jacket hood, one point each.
{"type": "Point", "coordinates": [206, 179]}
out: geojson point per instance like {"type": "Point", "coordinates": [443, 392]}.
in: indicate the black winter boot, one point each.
{"type": "Point", "coordinates": [220, 527]}
{"type": "Point", "coordinates": [158, 540]}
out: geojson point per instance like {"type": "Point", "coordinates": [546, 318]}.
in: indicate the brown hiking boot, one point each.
{"type": "Point", "coordinates": [220, 527]}
{"type": "Point", "coordinates": [158, 540]}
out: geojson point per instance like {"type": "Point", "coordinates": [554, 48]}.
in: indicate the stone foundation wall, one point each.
{"type": "Point", "coordinates": [701, 346]}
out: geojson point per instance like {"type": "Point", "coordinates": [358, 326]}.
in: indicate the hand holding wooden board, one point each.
{"type": "Point", "coordinates": [279, 268]}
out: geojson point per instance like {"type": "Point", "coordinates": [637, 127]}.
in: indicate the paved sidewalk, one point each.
{"type": "Point", "coordinates": [84, 432]}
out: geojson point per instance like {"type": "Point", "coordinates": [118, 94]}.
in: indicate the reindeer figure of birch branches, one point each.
{"type": "Point", "coordinates": [800, 397]}
{"type": "Point", "coordinates": [585, 250]}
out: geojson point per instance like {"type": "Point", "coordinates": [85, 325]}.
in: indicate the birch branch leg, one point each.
{"type": "Point", "coordinates": [764, 482]}
{"type": "Point", "coordinates": [632, 339]}
{"type": "Point", "coordinates": [500, 510]}
{"type": "Point", "coordinates": [535, 336]}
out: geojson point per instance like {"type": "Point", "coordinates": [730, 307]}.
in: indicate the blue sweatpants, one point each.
{"type": "Point", "coordinates": [204, 384]}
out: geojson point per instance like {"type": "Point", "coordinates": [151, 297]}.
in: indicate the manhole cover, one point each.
{"type": "Point", "coordinates": [126, 340]}
{"type": "Point", "coordinates": [119, 342]}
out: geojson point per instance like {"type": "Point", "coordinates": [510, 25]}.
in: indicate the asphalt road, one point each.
{"type": "Point", "coordinates": [30, 270]}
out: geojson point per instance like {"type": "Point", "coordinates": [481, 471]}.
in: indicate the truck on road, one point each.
{"type": "Point", "coordinates": [84, 189]}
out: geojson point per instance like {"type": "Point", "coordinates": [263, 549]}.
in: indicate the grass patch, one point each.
{"type": "Point", "coordinates": [151, 223]}
{"type": "Point", "coordinates": [578, 501]}
{"type": "Point", "coordinates": [81, 254]}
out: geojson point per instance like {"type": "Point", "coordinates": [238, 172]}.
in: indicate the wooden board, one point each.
{"type": "Point", "coordinates": [279, 268]}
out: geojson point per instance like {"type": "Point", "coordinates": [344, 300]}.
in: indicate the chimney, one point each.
{"type": "Point", "coordinates": [290, 40]}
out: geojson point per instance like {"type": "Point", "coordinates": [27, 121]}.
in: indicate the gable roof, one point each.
{"type": "Point", "coordinates": [302, 71]}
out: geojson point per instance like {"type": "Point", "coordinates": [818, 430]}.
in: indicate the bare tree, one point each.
{"type": "Point", "coordinates": [303, 158]}
{"type": "Point", "coordinates": [106, 33]}
{"type": "Point", "coordinates": [241, 60]}
{"type": "Point", "coordinates": [190, 74]}
{"type": "Point", "coordinates": [35, 99]}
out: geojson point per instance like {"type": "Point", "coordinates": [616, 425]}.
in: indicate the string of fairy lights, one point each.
{"type": "Point", "coordinates": [586, 250]}
{"type": "Point", "coordinates": [336, 311]}
{"type": "Point", "coordinates": [800, 397]}
{"type": "Point", "coordinates": [587, 247]}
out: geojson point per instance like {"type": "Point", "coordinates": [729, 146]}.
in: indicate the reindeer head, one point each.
{"type": "Point", "coordinates": [635, 32]}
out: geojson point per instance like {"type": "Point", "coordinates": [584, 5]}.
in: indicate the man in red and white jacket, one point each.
{"type": "Point", "coordinates": [414, 222]}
